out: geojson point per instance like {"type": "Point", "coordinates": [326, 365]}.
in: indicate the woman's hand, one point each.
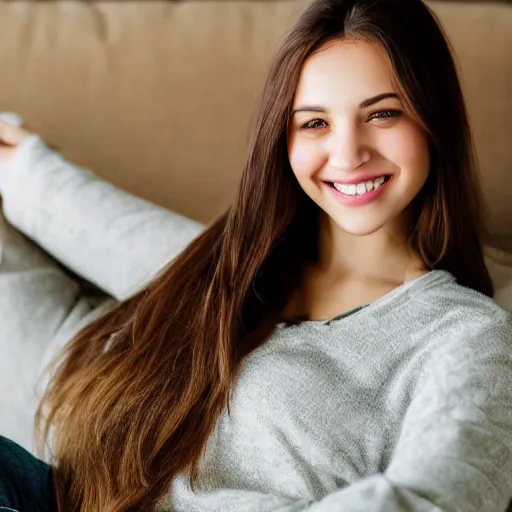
{"type": "Point", "coordinates": [11, 136]}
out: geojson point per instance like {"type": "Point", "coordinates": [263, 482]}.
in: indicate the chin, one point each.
{"type": "Point", "coordinates": [361, 228]}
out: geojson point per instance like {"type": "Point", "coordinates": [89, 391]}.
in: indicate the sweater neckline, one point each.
{"type": "Point", "coordinates": [409, 287]}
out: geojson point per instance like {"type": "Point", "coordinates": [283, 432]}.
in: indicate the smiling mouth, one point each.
{"type": "Point", "coordinates": [356, 189]}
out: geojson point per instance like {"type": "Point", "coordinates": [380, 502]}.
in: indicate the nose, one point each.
{"type": "Point", "coordinates": [346, 148]}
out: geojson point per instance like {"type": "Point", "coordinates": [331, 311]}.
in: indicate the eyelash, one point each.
{"type": "Point", "coordinates": [381, 114]}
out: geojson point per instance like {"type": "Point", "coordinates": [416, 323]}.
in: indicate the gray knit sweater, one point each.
{"type": "Point", "coordinates": [404, 405]}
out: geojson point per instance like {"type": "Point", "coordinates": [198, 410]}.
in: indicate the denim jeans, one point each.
{"type": "Point", "coordinates": [25, 481]}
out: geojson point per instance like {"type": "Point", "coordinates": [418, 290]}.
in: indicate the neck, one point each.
{"type": "Point", "coordinates": [382, 256]}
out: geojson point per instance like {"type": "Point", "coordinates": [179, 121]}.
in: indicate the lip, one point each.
{"type": "Point", "coordinates": [360, 179]}
{"type": "Point", "coordinates": [357, 200]}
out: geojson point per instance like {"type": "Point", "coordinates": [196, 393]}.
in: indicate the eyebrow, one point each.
{"type": "Point", "coordinates": [365, 104]}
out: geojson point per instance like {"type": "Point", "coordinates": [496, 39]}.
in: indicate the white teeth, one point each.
{"type": "Point", "coordinates": [349, 189]}
{"type": "Point", "coordinates": [360, 188]}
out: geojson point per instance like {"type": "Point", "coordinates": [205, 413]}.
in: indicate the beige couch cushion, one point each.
{"type": "Point", "coordinates": [157, 96]}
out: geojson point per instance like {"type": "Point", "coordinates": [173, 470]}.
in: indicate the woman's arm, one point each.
{"type": "Point", "coordinates": [111, 238]}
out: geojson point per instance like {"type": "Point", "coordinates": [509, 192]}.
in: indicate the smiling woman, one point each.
{"type": "Point", "coordinates": [362, 157]}
{"type": "Point", "coordinates": [330, 342]}
{"type": "Point", "coordinates": [363, 137]}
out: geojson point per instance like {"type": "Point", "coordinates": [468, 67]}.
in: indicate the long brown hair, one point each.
{"type": "Point", "coordinates": [126, 417]}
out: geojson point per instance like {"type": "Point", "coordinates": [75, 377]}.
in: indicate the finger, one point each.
{"type": "Point", "coordinates": [12, 135]}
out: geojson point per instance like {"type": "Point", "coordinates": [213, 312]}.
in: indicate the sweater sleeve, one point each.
{"type": "Point", "coordinates": [454, 452]}
{"type": "Point", "coordinates": [109, 237]}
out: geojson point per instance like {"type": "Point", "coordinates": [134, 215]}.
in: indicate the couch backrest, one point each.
{"type": "Point", "coordinates": [158, 96]}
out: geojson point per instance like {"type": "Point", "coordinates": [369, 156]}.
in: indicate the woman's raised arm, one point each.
{"type": "Point", "coordinates": [113, 239]}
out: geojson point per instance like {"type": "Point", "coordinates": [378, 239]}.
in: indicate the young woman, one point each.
{"type": "Point", "coordinates": [329, 343]}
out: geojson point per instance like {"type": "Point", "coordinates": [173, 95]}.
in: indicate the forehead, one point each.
{"type": "Point", "coordinates": [344, 71]}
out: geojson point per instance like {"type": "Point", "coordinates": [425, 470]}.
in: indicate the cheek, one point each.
{"type": "Point", "coordinates": [304, 158]}
{"type": "Point", "coordinates": [408, 149]}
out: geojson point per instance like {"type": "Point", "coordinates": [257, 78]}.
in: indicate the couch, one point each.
{"type": "Point", "coordinates": [157, 97]}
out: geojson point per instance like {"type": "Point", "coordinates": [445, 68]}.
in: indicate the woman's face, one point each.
{"type": "Point", "coordinates": [349, 125]}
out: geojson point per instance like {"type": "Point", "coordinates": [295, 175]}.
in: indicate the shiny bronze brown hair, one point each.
{"type": "Point", "coordinates": [126, 417]}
